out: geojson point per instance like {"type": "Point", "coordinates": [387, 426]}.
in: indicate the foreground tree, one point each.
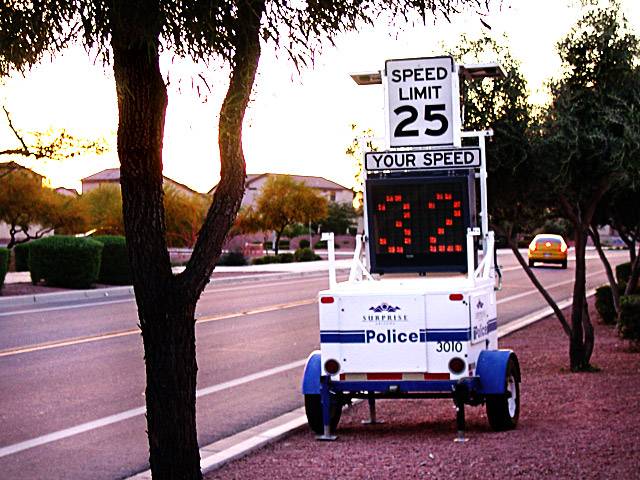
{"type": "Point", "coordinates": [590, 136]}
{"type": "Point", "coordinates": [135, 31]}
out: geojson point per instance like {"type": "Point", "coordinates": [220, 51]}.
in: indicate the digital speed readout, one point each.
{"type": "Point", "coordinates": [419, 224]}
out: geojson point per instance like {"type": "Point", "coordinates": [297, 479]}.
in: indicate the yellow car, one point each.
{"type": "Point", "coordinates": [548, 248]}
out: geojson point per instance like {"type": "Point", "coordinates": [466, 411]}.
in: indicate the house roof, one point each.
{"type": "Point", "coordinates": [113, 175]}
{"type": "Point", "coordinates": [11, 166]}
{"type": "Point", "coordinates": [108, 175]}
{"type": "Point", "coordinates": [70, 192]}
{"type": "Point", "coordinates": [313, 182]}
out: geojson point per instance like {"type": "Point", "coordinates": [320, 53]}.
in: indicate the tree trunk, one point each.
{"type": "Point", "coordinates": [166, 313]}
{"type": "Point", "coordinates": [166, 304]}
{"type": "Point", "coordinates": [595, 236]}
{"type": "Point", "coordinates": [581, 340]}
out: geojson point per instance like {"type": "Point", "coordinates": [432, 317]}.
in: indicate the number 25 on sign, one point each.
{"type": "Point", "coordinates": [422, 102]}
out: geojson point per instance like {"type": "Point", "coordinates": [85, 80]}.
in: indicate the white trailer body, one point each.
{"type": "Point", "coordinates": [425, 327]}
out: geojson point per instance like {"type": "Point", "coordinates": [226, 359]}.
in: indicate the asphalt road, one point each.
{"type": "Point", "coordinates": [72, 376]}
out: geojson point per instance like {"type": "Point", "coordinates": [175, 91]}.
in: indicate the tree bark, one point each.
{"type": "Point", "coordinates": [595, 236]}
{"type": "Point", "coordinates": [166, 304]}
{"type": "Point", "coordinates": [165, 311]}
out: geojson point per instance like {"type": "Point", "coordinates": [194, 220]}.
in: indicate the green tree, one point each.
{"type": "Point", "coordinates": [283, 202]}
{"type": "Point", "coordinates": [32, 210]}
{"type": "Point", "coordinates": [517, 206]}
{"type": "Point", "coordinates": [590, 135]}
{"type": "Point", "coordinates": [339, 218]}
{"type": "Point", "coordinates": [104, 210]}
{"type": "Point", "coordinates": [184, 215]}
{"type": "Point", "coordinates": [131, 34]}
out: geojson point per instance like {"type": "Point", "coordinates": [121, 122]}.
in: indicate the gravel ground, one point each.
{"type": "Point", "coordinates": [572, 426]}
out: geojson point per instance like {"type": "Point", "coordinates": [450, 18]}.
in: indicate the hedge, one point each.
{"type": "Point", "coordinates": [115, 268]}
{"type": "Point", "coordinates": [69, 262]}
{"type": "Point", "coordinates": [231, 259]}
{"type": "Point", "coordinates": [629, 318]}
{"type": "Point", "coordinates": [604, 304]}
{"type": "Point", "coordinates": [623, 272]}
{"type": "Point", "coordinates": [4, 264]}
{"type": "Point", "coordinates": [21, 256]}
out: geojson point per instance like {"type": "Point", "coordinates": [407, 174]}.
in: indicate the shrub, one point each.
{"type": "Point", "coordinates": [304, 243]}
{"type": "Point", "coordinates": [623, 272]}
{"type": "Point", "coordinates": [21, 257]}
{"type": "Point", "coordinates": [604, 304]}
{"type": "Point", "coordinates": [320, 245]}
{"type": "Point", "coordinates": [304, 255]}
{"type": "Point", "coordinates": [629, 318]}
{"type": "Point", "coordinates": [231, 259]}
{"type": "Point", "coordinates": [286, 257]}
{"type": "Point", "coordinates": [70, 262]}
{"type": "Point", "coordinates": [4, 264]}
{"type": "Point", "coordinates": [115, 268]}
{"type": "Point", "coordinates": [265, 260]}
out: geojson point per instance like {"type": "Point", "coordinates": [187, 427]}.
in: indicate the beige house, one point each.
{"type": "Point", "coordinates": [111, 176]}
{"type": "Point", "coordinates": [331, 190]}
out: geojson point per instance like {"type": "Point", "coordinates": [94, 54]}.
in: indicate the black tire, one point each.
{"type": "Point", "coordinates": [531, 263]}
{"type": "Point", "coordinates": [503, 410]}
{"type": "Point", "coordinates": [313, 409]}
{"type": "Point", "coordinates": [564, 264]}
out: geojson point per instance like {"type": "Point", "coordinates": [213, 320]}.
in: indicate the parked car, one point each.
{"type": "Point", "coordinates": [548, 248]}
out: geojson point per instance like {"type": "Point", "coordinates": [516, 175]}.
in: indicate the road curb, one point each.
{"type": "Point", "coordinates": [223, 451]}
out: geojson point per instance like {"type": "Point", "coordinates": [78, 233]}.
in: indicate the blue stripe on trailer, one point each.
{"type": "Point", "coordinates": [448, 335]}
{"type": "Point", "coordinates": [426, 335]}
{"type": "Point", "coordinates": [342, 336]}
{"type": "Point", "coordinates": [493, 325]}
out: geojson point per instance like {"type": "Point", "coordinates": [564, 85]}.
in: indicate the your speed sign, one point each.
{"type": "Point", "coordinates": [423, 105]}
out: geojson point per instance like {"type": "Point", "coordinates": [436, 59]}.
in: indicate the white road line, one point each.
{"type": "Point", "coordinates": [111, 419]}
{"type": "Point", "coordinates": [95, 338]}
{"type": "Point", "coordinates": [132, 300]}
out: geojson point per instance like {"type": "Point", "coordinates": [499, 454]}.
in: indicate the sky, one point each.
{"type": "Point", "coordinates": [296, 123]}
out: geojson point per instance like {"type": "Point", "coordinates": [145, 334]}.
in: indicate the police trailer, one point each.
{"type": "Point", "coordinates": [425, 326]}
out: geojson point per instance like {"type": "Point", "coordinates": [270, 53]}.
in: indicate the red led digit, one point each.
{"type": "Point", "coordinates": [448, 221]}
{"type": "Point", "coordinates": [458, 248]}
{"type": "Point", "coordinates": [392, 249]}
{"type": "Point", "coordinates": [399, 223]}
{"type": "Point", "coordinates": [389, 198]}
{"type": "Point", "coordinates": [407, 241]}
{"type": "Point", "coordinates": [407, 214]}
{"type": "Point", "coordinates": [431, 205]}
{"type": "Point", "coordinates": [407, 232]}
{"type": "Point", "coordinates": [382, 207]}
{"type": "Point", "coordinates": [457, 213]}
{"type": "Point", "coordinates": [441, 248]}
{"type": "Point", "coordinates": [447, 196]}
{"type": "Point", "coordinates": [433, 240]}
{"type": "Point", "coordinates": [441, 231]}
{"type": "Point", "coordinates": [406, 206]}
{"type": "Point", "coordinates": [439, 196]}
{"type": "Point", "coordinates": [398, 198]}
{"type": "Point", "coordinates": [449, 248]}
{"type": "Point", "coordinates": [400, 250]}
{"type": "Point", "coordinates": [383, 241]}
{"type": "Point", "coordinates": [433, 249]}
{"type": "Point", "coordinates": [456, 205]}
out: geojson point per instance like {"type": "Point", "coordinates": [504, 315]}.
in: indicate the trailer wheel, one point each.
{"type": "Point", "coordinates": [503, 410]}
{"type": "Point", "coordinates": [313, 409]}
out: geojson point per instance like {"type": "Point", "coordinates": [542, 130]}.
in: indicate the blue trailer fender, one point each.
{"type": "Point", "coordinates": [492, 370]}
{"type": "Point", "coordinates": [311, 376]}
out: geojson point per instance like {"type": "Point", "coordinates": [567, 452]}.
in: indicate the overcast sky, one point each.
{"type": "Point", "coordinates": [296, 123]}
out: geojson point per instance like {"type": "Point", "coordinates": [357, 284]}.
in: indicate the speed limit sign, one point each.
{"type": "Point", "coordinates": [423, 104]}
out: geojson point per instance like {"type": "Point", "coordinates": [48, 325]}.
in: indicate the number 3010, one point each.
{"type": "Point", "coordinates": [446, 347]}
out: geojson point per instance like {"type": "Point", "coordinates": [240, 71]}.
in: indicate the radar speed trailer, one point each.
{"type": "Point", "coordinates": [426, 326]}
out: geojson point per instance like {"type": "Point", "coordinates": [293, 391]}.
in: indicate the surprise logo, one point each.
{"type": "Point", "coordinates": [384, 307]}
{"type": "Point", "coordinates": [384, 314]}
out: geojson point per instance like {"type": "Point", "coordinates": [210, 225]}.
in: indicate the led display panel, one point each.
{"type": "Point", "coordinates": [419, 224]}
